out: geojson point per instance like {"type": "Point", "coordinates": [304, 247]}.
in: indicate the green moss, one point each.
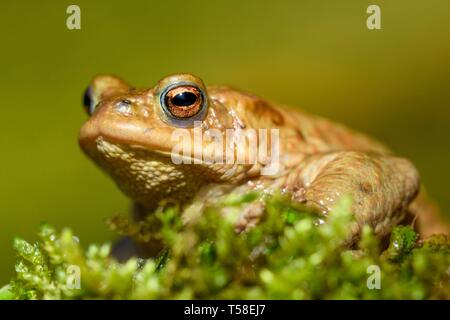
{"type": "Point", "coordinates": [403, 240]}
{"type": "Point", "coordinates": [289, 255]}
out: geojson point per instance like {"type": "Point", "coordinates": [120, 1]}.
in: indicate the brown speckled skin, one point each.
{"type": "Point", "coordinates": [320, 160]}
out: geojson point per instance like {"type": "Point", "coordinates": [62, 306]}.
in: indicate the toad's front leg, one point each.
{"type": "Point", "coordinates": [381, 186]}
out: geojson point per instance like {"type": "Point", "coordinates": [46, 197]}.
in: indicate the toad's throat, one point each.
{"type": "Point", "coordinates": [149, 177]}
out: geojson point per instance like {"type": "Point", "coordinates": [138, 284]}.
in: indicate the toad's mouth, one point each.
{"type": "Point", "coordinates": [149, 176]}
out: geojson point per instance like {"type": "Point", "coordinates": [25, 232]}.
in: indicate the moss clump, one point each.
{"type": "Point", "coordinates": [289, 255]}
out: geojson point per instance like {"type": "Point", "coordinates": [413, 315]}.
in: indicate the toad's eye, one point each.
{"type": "Point", "coordinates": [184, 101]}
{"type": "Point", "coordinates": [88, 101]}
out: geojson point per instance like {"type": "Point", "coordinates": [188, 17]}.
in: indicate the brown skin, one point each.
{"type": "Point", "coordinates": [129, 135]}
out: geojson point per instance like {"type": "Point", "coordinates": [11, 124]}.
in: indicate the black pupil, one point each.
{"type": "Point", "coordinates": [184, 99]}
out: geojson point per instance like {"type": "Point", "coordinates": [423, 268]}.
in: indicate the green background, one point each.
{"type": "Point", "coordinates": [392, 83]}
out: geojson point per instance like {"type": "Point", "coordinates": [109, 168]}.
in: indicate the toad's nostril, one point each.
{"type": "Point", "coordinates": [124, 107]}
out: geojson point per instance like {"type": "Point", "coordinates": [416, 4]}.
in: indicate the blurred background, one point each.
{"type": "Point", "coordinates": [392, 83]}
